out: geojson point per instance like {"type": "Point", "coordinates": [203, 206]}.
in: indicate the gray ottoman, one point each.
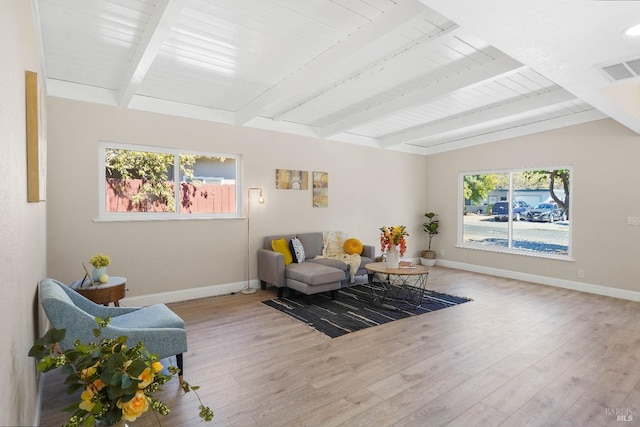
{"type": "Point", "coordinates": [311, 278]}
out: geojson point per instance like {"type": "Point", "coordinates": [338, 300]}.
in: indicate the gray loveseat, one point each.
{"type": "Point", "coordinates": [312, 276]}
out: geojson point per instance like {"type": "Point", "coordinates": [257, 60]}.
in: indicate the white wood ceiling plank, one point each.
{"type": "Point", "coordinates": [200, 58]}
{"type": "Point", "coordinates": [205, 41]}
{"type": "Point", "coordinates": [131, 11]}
{"type": "Point", "coordinates": [473, 119]}
{"type": "Point", "coordinates": [167, 80]}
{"type": "Point", "coordinates": [157, 29]}
{"type": "Point", "coordinates": [442, 144]}
{"type": "Point", "coordinates": [451, 58]}
{"type": "Point", "coordinates": [439, 20]}
{"type": "Point", "coordinates": [500, 124]}
{"type": "Point", "coordinates": [269, 18]}
{"type": "Point", "coordinates": [538, 78]}
{"type": "Point", "coordinates": [459, 101]}
{"type": "Point", "coordinates": [380, 5]}
{"type": "Point", "coordinates": [577, 106]}
{"type": "Point", "coordinates": [362, 8]}
{"type": "Point", "coordinates": [223, 33]}
{"type": "Point", "coordinates": [261, 40]}
{"type": "Point", "coordinates": [530, 85]}
{"type": "Point", "coordinates": [183, 43]}
{"type": "Point", "coordinates": [367, 34]}
{"type": "Point", "coordinates": [354, 81]}
{"type": "Point", "coordinates": [330, 12]}
{"type": "Point", "coordinates": [383, 75]}
{"type": "Point", "coordinates": [495, 92]}
{"type": "Point", "coordinates": [266, 57]}
{"type": "Point", "coordinates": [417, 97]}
{"type": "Point", "coordinates": [467, 50]}
{"type": "Point", "coordinates": [514, 85]}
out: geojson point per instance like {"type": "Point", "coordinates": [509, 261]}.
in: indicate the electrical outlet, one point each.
{"type": "Point", "coordinates": [441, 252]}
{"type": "Point", "coordinates": [581, 273]}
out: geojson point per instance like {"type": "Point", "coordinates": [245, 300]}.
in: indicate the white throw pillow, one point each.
{"type": "Point", "coordinates": [333, 243]}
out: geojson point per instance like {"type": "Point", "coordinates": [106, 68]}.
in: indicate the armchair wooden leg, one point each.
{"type": "Point", "coordinates": [180, 364]}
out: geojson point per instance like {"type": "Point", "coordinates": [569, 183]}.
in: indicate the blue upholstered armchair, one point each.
{"type": "Point", "coordinates": [160, 329]}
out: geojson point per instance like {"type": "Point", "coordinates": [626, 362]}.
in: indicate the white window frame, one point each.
{"type": "Point", "coordinates": [103, 215]}
{"type": "Point", "coordinates": [509, 249]}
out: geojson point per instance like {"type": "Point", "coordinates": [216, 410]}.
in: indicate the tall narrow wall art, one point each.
{"type": "Point", "coordinates": [36, 142]}
{"type": "Point", "coordinates": [320, 189]}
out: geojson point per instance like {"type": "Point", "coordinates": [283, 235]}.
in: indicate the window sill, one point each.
{"type": "Point", "coordinates": [513, 251]}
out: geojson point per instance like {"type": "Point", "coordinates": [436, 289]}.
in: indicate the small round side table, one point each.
{"type": "Point", "coordinates": [102, 293]}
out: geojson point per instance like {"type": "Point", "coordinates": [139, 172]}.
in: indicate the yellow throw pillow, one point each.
{"type": "Point", "coordinates": [353, 246]}
{"type": "Point", "coordinates": [282, 246]}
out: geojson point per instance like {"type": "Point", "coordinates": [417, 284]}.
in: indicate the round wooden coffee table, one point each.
{"type": "Point", "coordinates": [397, 287]}
{"type": "Point", "coordinates": [102, 293]}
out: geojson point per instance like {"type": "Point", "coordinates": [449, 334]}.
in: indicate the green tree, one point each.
{"type": "Point", "coordinates": [155, 170]}
{"type": "Point", "coordinates": [477, 187]}
{"type": "Point", "coordinates": [554, 178]}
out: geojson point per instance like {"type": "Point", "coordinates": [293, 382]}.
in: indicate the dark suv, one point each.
{"type": "Point", "coordinates": [500, 211]}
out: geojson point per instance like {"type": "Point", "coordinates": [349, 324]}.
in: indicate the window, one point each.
{"type": "Point", "coordinates": [139, 183]}
{"type": "Point", "coordinates": [519, 211]}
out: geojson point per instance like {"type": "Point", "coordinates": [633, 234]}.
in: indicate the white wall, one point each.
{"type": "Point", "coordinates": [22, 224]}
{"type": "Point", "coordinates": [604, 156]}
{"type": "Point", "coordinates": [368, 188]}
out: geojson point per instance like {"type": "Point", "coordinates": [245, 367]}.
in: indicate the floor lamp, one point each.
{"type": "Point", "coordinates": [248, 289]}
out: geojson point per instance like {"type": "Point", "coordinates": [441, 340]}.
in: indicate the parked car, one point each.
{"type": "Point", "coordinates": [500, 211]}
{"type": "Point", "coordinates": [547, 212]}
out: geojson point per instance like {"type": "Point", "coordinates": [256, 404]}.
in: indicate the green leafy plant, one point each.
{"type": "Point", "coordinates": [117, 382]}
{"type": "Point", "coordinates": [431, 227]}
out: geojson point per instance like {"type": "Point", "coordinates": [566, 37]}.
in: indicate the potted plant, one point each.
{"type": "Point", "coordinates": [117, 382]}
{"type": "Point", "coordinates": [428, 257]}
{"type": "Point", "coordinates": [100, 262]}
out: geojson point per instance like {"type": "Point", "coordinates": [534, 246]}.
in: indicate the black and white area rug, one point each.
{"type": "Point", "coordinates": [353, 309]}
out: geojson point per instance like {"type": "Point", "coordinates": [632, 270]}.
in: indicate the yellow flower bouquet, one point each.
{"type": "Point", "coordinates": [100, 260]}
{"type": "Point", "coordinates": [117, 381]}
{"type": "Point", "coordinates": [393, 236]}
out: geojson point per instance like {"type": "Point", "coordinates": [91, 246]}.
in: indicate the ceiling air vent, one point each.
{"type": "Point", "coordinates": [623, 70]}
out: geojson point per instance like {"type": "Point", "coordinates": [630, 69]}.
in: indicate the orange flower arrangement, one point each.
{"type": "Point", "coordinates": [392, 236]}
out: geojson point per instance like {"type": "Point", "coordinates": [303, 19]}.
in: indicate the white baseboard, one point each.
{"type": "Point", "coordinates": [187, 294]}
{"type": "Point", "coordinates": [39, 392]}
{"type": "Point", "coordinates": [544, 280]}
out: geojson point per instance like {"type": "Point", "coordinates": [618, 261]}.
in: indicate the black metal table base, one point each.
{"type": "Point", "coordinates": [397, 292]}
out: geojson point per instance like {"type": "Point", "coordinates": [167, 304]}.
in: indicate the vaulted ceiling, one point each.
{"type": "Point", "coordinates": [417, 76]}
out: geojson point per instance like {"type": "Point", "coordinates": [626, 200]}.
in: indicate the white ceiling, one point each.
{"type": "Point", "coordinates": [417, 76]}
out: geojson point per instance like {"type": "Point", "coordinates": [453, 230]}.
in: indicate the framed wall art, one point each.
{"type": "Point", "coordinates": [292, 179]}
{"type": "Point", "coordinates": [320, 189]}
{"type": "Point", "coordinates": [36, 144]}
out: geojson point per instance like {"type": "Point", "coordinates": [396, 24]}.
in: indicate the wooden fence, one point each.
{"type": "Point", "coordinates": [203, 198]}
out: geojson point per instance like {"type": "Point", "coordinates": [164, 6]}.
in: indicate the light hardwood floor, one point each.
{"type": "Point", "coordinates": [519, 354]}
